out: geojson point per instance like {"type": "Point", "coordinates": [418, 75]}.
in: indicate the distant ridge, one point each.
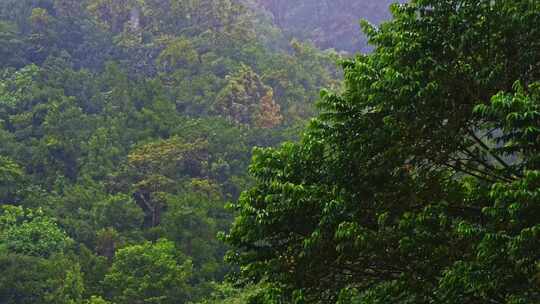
{"type": "Point", "coordinates": [328, 23]}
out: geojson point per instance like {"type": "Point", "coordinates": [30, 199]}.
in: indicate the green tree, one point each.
{"type": "Point", "coordinates": [74, 207]}
{"type": "Point", "coordinates": [156, 166]}
{"type": "Point", "coordinates": [120, 206]}
{"type": "Point", "coordinates": [149, 273]}
{"type": "Point", "coordinates": [179, 53]}
{"type": "Point", "coordinates": [418, 184]}
{"type": "Point", "coordinates": [30, 232]}
{"type": "Point", "coordinates": [192, 220]}
{"type": "Point", "coordinates": [30, 279]}
{"type": "Point", "coordinates": [247, 100]}
{"type": "Point", "coordinates": [93, 268]}
{"type": "Point", "coordinates": [11, 178]}
{"type": "Point", "coordinates": [96, 300]}
{"type": "Point", "coordinates": [11, 46]}
{"type": "Point", "coordinates": [251, 294]}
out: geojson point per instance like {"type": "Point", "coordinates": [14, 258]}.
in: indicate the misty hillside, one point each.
{"type": "Point", "coordinates": [328, 23]}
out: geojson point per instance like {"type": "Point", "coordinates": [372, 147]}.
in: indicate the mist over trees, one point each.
{"type": "Point", "coordinates": [328, 23]}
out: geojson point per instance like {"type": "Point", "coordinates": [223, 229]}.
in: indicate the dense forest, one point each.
{"type": "Point", "coordinates": [126, 127]}
{"type": "Point", "coordinates": [235, 152]}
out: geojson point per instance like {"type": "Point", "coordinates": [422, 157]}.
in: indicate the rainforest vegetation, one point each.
{"type": "Point", "coordinates": [260, 152]}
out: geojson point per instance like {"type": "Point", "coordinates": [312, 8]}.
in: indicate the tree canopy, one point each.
{"type": "Point", "coordinates": [127, 128]}
{"type": "Point", "coordinates": [121, 141]}
{"type": "Point", "coordinates": [419, 183]}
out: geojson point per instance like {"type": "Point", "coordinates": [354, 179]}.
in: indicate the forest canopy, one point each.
{"type": "Point", "coordinates": [420, 182]}
{"type": "Point", "coordinates": [227, 151]}
{"type": "Point", "coordinates": [126, 126]}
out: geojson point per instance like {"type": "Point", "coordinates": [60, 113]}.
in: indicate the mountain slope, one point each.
{"type": "Point", "coordinates": [328, 23]}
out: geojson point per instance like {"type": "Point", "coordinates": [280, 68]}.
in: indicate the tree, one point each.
{"type": "Point", "coordinates": [31, 233]}
{"type": "Point", "coordinates": [156, 166]}
{"type": "Point", "coordinates": [247, 100]}
{"type": "Point", "coordinates": [11, 178]}
{"type": "Point", "coordinates": [30, 279]}
{"type": "Point", "coordinates": [149, 273]}
{"type": "Point", "coordinates": [11, 46]}
{"type": "Point", "coordinates": [418, 184]}
{"type": "Point", "coordinates": [113, 15]}
{"type": "Point", "coordinates": [252, 294]}
{"type": "Point", "coordinates": [97, 300]}
{"type": "Point", "coordinates": [41, 38]}
{"type": "Point", "coordinates": [268, 115]}
{"type": "Point", "coordinates": [193, 219]}
{"type": "Point", "coordinates": [179, 53]}
{"type": "Point", "coordinates": [108, 212]}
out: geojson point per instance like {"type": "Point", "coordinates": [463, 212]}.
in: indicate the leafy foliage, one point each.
{"type": "Point", "coordinates": [151, 273]}
{"type": "Point", "coordinates": [417, 184]}
{"type": "Point", "coordinates": [31, 233]}
{"type": "Point", "coordinates": [29, 279]}
{"type": "Point", "coordinates": [115, 163]}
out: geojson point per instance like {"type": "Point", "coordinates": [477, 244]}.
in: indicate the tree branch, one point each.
{"type": "Point", "coordinates": [488, 150]}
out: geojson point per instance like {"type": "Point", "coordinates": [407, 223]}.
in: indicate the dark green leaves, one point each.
{"type": "Point", "coordinates": [418, 183]}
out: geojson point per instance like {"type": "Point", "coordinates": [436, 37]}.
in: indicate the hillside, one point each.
{"type": "Point", "coordinates": [259, 152]}
{"type": "Point", "coordinates": [328, 23]}
{"type": "Point", "coordinates": [125, 128]}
